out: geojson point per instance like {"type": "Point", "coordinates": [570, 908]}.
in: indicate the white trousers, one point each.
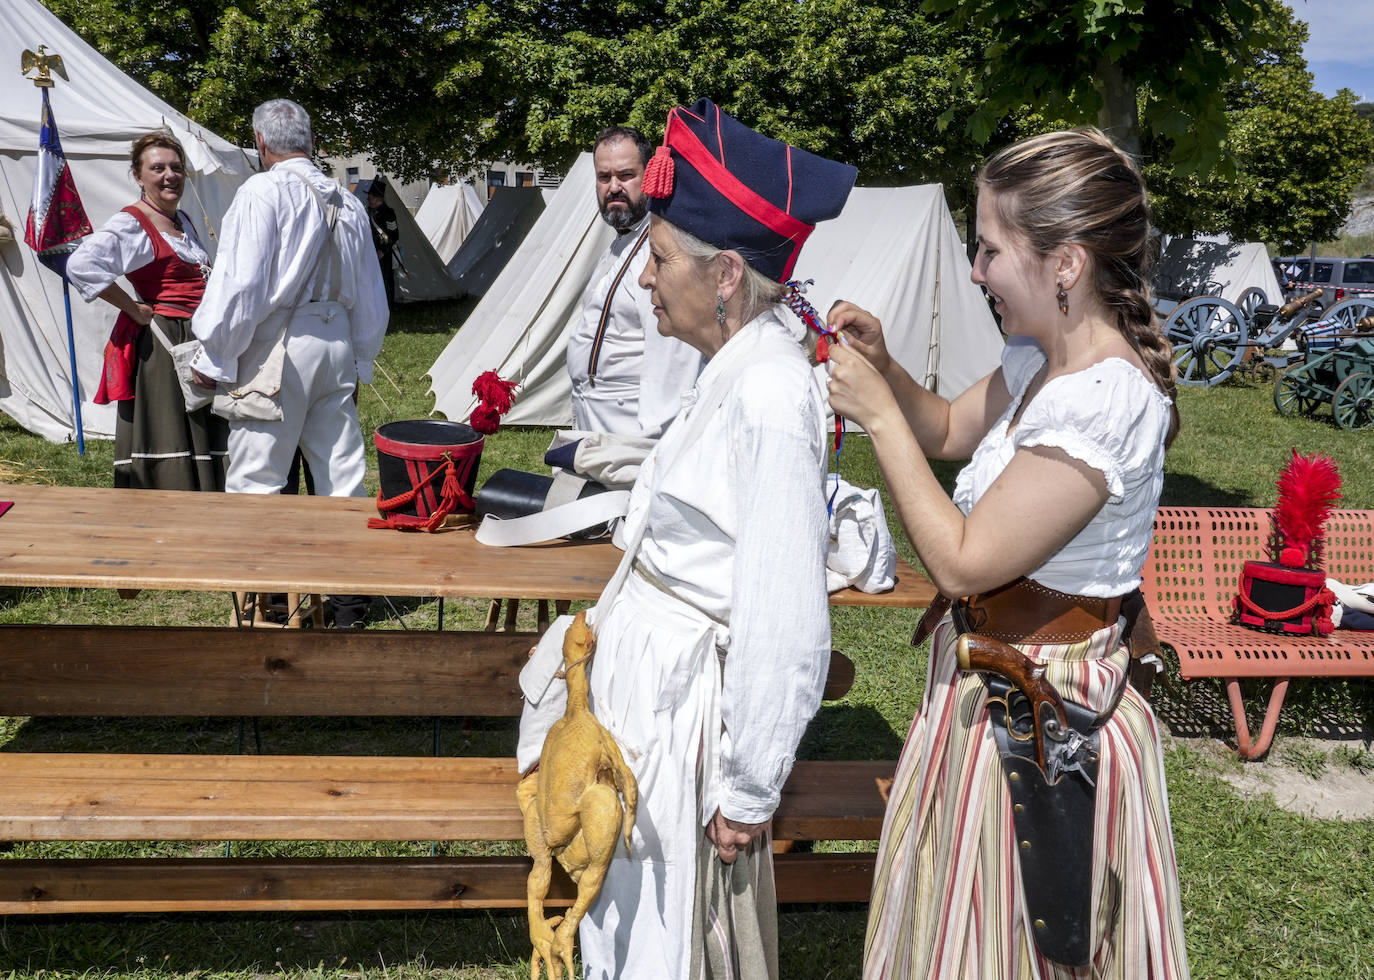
{"type": "Point", "coordinates": [317, 385]}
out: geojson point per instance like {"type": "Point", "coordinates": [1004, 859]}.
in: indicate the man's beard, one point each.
{"type": "Point", "coordinates": [623, 220]}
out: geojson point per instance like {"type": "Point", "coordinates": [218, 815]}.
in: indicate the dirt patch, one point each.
{"type": "Point", "coordinates": [1307, 776]}
{"type": "Point", "coordinates": [1330, 776]}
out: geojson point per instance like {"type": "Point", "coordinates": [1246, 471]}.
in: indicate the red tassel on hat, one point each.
{"type": "Point", "coordinates": [658, 174]}
{"type": "Point", "coordinates": [1309, 490]}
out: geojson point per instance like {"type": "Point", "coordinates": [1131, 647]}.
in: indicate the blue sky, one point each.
{"type": "Point", "coordinates": [1340, 45]}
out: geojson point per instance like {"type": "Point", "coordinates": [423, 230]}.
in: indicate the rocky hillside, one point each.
{"type": "Point", "coordinates": [1361, 220]}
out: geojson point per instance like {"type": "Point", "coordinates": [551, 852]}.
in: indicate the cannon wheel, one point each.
{"type": "Point", "coordinates": [1346, 315]}
{"type": "Point", "coordinates": [1209, 336]}
{"type": "Point", "coordinates": [1251, 300]}
{"type": "Point", "coordinates": [1292, 393]}
{"type": "Point", "coordinates": [1353, 402]}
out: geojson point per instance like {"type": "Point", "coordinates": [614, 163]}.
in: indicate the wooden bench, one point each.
{"type": "Point", "coordinates": [156, 671]}
{"type": "Point", "coordinates": [1192, 575]}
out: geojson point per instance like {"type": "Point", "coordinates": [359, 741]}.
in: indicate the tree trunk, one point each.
{"type": "Point", "coordinates": [1119, 116]}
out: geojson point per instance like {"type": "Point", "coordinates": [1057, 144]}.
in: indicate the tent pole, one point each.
{"type": "Point", "coordinates": [76, 381]}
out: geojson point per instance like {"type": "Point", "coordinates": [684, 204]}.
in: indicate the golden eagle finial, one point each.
{"type": "Point", "coordinates": [45, 63]}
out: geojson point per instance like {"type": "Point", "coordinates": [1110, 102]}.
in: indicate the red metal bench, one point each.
{"type": "Point", "coordinates": [1191, 577]}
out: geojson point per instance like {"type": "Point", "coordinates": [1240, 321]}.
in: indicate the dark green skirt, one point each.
{"type": "Point", "coordinates": [158, 444]}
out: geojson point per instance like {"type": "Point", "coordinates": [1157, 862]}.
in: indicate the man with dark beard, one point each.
{"type": "Point", "coordinates": [627, 378]}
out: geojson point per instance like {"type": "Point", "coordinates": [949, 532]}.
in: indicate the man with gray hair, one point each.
{"type": "Point", "coordinates": [292, 318]}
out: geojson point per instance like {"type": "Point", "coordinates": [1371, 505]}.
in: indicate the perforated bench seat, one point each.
{"type": "Point", "coordinates": [1192, 575]}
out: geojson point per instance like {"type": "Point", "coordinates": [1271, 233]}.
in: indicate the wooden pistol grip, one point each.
{"type": "Point", "coordinates": [1298, 302]}
{"type": "Point", "coordinates": [982, 653]}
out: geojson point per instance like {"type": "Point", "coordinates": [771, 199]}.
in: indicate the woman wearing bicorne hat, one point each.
{"type": "Point", "coordinates": [712, 656]}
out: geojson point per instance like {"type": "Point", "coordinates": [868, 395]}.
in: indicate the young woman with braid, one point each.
{"type": "Point", "coordinates": [1047, 531]}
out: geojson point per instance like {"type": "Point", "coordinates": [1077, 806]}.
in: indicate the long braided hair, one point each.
{"type": "Point", "coordinates": [1077, 186]}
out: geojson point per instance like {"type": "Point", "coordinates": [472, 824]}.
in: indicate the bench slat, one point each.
{"type": "Point", "coordinates": [339, 884]}
{"type": "Point", "coordinates": [197, 671]}
{"type": "Point", "coordinates": [81, 796]}
{"type": "Point", "coordinates": [135, 671]}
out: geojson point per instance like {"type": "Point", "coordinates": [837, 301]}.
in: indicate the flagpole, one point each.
{"type": "Point", "coordinates": [56, 219]}
{"type": "Point", "coordinates": [76, 380]}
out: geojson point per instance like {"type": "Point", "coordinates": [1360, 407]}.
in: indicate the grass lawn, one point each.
{"type": "Point", "coordinates": [1265, 893]}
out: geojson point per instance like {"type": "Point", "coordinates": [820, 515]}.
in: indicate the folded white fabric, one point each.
{"type": "Point", "coordinates": [1355, 598]}
{"type": "Point", "coordinates": [862, 553]}
{"type": "Point", "coordinates": [611, 460]}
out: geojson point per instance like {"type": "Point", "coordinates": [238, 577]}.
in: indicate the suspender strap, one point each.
{"type": "Point", "coordinates": [330, 257]}
{"type": "Point", "coordinates": [606, 307]}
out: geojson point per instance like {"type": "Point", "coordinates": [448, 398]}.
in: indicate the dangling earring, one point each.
{"type": "Point", "coordinates": [720, 311]}
{"type": "Point", "coordinates": [1063, 298]}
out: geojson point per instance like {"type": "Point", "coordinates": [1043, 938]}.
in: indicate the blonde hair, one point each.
{"type": "Point", "coordinates": [1078, 187]}
{"type": "Point", "coordinates": [757, 292]}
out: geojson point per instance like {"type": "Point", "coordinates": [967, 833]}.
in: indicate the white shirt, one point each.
{"type": "Point", "coordinates": [121, 246]}
{"type": "Point", "coordinates": [640, 374]}
{"type": "Point", "coordinates": [269, 242]}
{"type": "Point", "coordinates": [1110, 416]}
{"type": "Point", "coordinates": [738, 528]}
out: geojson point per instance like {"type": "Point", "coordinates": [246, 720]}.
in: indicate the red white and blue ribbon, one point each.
{"type": "Point", "coordinates": [798, 303]}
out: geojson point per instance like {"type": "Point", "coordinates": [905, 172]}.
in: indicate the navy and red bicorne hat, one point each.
{"type": "Point", "coordinates": [737, 189]}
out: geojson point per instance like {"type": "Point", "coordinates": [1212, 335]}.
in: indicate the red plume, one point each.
{"type": "Point", "coordinates": [1309, 490]}
{"type": "Point", "coordinates": [496, 396]}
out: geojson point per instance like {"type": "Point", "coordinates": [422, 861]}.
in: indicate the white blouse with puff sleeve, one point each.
{"type": "Point", "coordinates": [1110, 416]}
{"type": "Point", "coordinates": [119, 247]}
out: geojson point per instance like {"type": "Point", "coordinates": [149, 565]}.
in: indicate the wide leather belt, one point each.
{"type": "Point", "coordinates": [1023, 611]}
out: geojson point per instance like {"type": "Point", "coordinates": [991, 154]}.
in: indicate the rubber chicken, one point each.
{"type": "Point", "coordinates": [572, 803]}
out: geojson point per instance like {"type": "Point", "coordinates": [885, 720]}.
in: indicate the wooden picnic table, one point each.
{"type": "Point", "coordinates": [161, 539]}
{"type": "Point", "coordinates": [142, 539]}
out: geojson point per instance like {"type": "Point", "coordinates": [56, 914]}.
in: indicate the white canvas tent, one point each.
{"type": "Point", "coordinates": [447, 215]}
{"type": "Point", "coordinates": [1191, 267]}
{"type": "Point", "coordinates": [420, 273]}
{"type": "Point", "coordinates": [99, 113]}
{"type": "Point", "coordinates": [893, 250]}
{"type": "Point", "coordinates": [493, 240]}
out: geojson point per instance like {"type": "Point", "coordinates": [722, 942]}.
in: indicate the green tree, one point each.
{"type": "Point", "coordinates": [1130, 65]}
{"type": "Point", "coordinates": [1297, 156]}
{"type": "Point", "coordinates": [368, 72]}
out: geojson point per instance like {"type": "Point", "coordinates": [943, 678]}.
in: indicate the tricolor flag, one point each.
{"type": "Point", "coordinates": [57, 221]}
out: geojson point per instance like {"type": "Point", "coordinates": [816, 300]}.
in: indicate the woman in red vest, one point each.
{"type": "Point", "coordinates": [158, 443]}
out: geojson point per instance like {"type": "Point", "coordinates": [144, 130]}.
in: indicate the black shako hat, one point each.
{"type": "Point", "coordinates": [738, 189]}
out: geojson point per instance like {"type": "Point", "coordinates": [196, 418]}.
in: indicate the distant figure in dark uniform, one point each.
{"type": "Point", "coordinates": [385, 234]}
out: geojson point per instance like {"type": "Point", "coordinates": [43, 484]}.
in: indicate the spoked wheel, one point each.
{"type": "Point", "coordinates": [1293, 393]}
{"type": "Point", "coordinates": [1209, 337]}
{"type": "Point", "coordinates": [1346, 315]}
{"type": "Point", "coordinates": [1353, 402]}
{"type": "Point", "coordinates": [1250, 301]}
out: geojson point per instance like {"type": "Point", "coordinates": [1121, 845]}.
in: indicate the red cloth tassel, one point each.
{"type": "Point", "coordinates": [658, 175]}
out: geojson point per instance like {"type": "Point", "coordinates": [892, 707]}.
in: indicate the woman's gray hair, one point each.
{"type": "Point", "coordinates": [757, 291]}
{"type": "Point", "coordinates": [284, 126]}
